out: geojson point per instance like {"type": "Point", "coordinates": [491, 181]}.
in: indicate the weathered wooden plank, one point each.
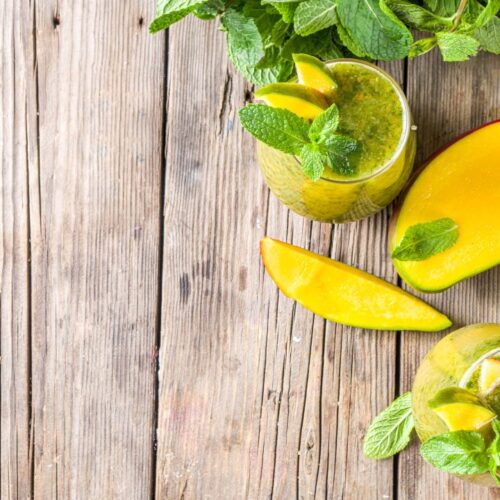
{"type": "Point", "coordinates": [447, 100]}
{"type": "Point", "coordinates": [18, 150]}
{"type": "Point", "coordinates": [94, 214]}
{"type": "Point", "coordinates": [257, 396]}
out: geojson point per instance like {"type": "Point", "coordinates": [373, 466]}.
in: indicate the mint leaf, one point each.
{"type": "Point", "coordinates": [457, 47]}
{"type": "Point", "coordinates": [417, 17]}
{"type": "Point", "coordinates": [271, 68]}
{"type": "Point", "coordinates": [318, 44]}
{"type": "Point", "coordinates": [352, 45]}
{"type": "Point", "coordinates": [169, 12]}
{"type": "Point", "coordinates": [339, 163]}
{"type": "Point", "coordinates": [494, 451]}
{"type": "Point", "coordinates": [341, 144]}
{"type": "Point", "coordinates": [374, 29]}
{"type": "Point", "coordinates": [338, 147]}
{"type": "Point", "coordinates": [244, 43]}
{"type": "Point", "coordinates": [312, 161]}
{"type": "Point", "coordinates": [443, 7]}
{"type": "Point", "coordinates": [391, 430]}
{"type": "Point", "coordinates": [278, 128]}
{"type": "Point", "coordinates": [264, 16]}
{"type": "Point", "coordinates": [422, 46]}
{"type": "Point", "coordinates": [325, 124]}
{"type": "Point", "coordinates": [287, 10]}
{"type": "Point", "coordinates": [460, 452]}
{"type": "Point", "coordinates": [489, 36]}
{"type": "Point", "coordinates": [422, 241]}
{"type": "Point", "coordinates": [490, 11]}
{"type": "Point", "coordinates": [279, 32]}
{"type": "Point", "coordinates": [208, 10]}
{"type": "Point", "coordinates": [314, 15]}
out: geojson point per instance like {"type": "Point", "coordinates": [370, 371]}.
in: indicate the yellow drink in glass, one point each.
{"type": "Point", "coordinates": [374, 111]}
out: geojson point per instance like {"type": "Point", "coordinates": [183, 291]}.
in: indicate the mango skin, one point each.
{"type": "Point", "coordinates": [461, 182]}
{"type": "Point", "coordinates": [344, 294]}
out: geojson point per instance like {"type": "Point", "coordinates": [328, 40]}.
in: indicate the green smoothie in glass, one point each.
{"type": "Point", "coordinates": [373, 111]}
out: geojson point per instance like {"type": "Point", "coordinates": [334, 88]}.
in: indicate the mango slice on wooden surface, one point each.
{"type": "Point", "coordinates": [314, 73]}
{"type": "Point", "coordinates": [462, 183]}
{"type": "Point", "coordinates": [299, 99]}
{"type": "Point", "coordinates": [344, 294]}
{"type": "Point", "coordinates": [461, 410]}
{"type": "Point", "coordinates": [489, 376]}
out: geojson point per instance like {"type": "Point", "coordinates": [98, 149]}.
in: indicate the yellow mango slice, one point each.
{"type": "Point", "coordinates": [462, 183]}
{"type": "Point", "coordinates": [299, 99]}
{"type": "Point", "coordinates": [489, 376]}
{"type": "Point", "coordinates": [344, 294]}
{"type": "Point", "coordinates": [460, 409]}
{"type": "Point", "coordinates": [465, 416]}
{"type": "Point", "coordinates": [314, 73]}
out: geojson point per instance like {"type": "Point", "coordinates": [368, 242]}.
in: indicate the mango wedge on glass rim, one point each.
{"type": "Point", "coordinates": [344, 294]}
{"type": "Point", "coordinates": [305, 102]}
{"type": "Point", "coordinates": [314, 73]}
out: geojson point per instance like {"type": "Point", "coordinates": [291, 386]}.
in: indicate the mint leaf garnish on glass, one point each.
{"type": "Point", "coordinates": [279, 128]}
{"type": "Point", "coordinates": [315, 144]}
{"type": "Point", "coordinates": [325, 124]}
{"type": "Point", "coordinates": [459, 452]}
{"type": "Point", "coordinates": [422, 241]}
{"type": "Point", "coordinates": [391, 430]}
{"type": "Point", "coordinates": [312, 161]}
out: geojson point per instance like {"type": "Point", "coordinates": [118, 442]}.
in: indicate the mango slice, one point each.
{"type": "Point", "coordinates": [299, 99]}
{"type": "Point", "coordinates": [489, 376]}
{"type": "Point", "coordinates": [315, 73]}
{"type": "Point", "coordinates": [460, 409]}
{"type": "Point", "coordinates": [344, 294]}
{"type": "Point", "coordinates": [462, 183]}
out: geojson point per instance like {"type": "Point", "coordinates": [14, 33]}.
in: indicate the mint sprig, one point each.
{"type": "Point", "coordinates": [391, 430]}
{"type": "Point", "coordinates": [262, 34]}
{"type": "Point", "coordinates": [422, 241]}
{"type": "Point", "coordinates": [316, 144]}
{"type": "Point", "coordinates": [459, 452]}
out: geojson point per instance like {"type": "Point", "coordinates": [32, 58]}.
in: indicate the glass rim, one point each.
{"type": "Point", "coordinates": [406, 122]}
{"type": "Point", "coordinates": [475, 365]}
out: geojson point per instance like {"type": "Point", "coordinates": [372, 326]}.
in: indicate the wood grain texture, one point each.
{"type": "Point", "coordinates": [90, 294]}
{"type": "Point", "coordinates": [447, 100]}
{"type": "Point", "coordinates": [18, 149]}
{"type": "Point", "coordinates": [258, 397]}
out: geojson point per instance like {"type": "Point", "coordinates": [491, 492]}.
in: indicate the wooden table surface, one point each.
{"type": "Point", "coordinates": [144, 351]}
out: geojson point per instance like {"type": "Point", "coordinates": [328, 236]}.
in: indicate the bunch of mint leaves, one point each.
{"type": "Point", "coordinates": [457, 452]}
{"type": "Point", "coordinates": [315, 144]}
{"type": "Point", "coordinates": [262, 35]}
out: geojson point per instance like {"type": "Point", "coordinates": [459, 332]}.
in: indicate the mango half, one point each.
{"type": "Point", "coordinates": [344, 294]}
{"type": "Point", "coordinates": [461, 182]}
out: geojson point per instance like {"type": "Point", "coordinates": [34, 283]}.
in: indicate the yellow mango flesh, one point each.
{"type": "Point", "coordinates": [464, 416]}
{"type": "Point", "coordinates": [462, 183]}
{"type": "Point", "coordinates": [344, 294]}
{"type": "Point", "coordinates": [489, 376]}
{"type": "Point", "coordinates": [314, 73]}
{"type": "Point", "coordinates": [305, 102]}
